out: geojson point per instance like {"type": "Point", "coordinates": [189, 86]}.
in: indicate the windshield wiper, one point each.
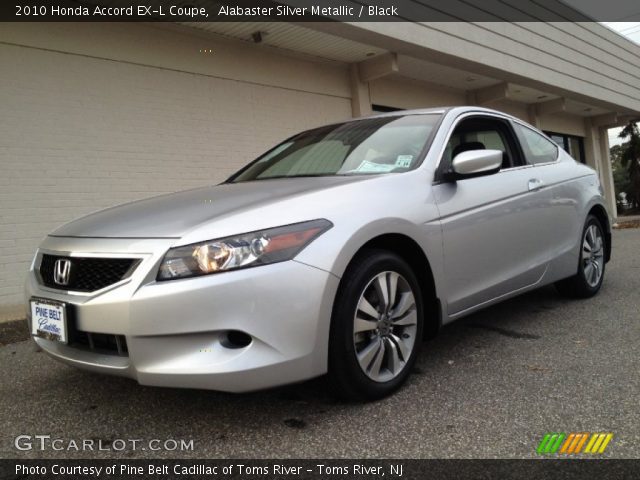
{"type": "Point", "coordinates": [308, 175]}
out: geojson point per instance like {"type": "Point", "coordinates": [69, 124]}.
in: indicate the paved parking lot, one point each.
{"type": "Point", "coordinates": [489, 386]}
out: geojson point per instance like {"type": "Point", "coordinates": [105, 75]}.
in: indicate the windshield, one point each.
{"type": "Point", "coordinates": [365, 147]}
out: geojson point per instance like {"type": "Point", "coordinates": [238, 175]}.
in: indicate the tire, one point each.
{"type": "Point", "coordinates": [374, 361]}
{"type": "Point", "coordinates": [591, 263]}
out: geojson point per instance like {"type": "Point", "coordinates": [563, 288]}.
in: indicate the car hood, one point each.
{"type": "Point", "coordinates": [174, 215]}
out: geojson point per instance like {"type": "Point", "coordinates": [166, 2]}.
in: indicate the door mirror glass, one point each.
{"type": "Point", "coordinates": [477, 162]}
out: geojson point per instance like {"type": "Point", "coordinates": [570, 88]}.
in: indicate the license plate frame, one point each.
{"type": "Point", "coordinates": [49, 319]}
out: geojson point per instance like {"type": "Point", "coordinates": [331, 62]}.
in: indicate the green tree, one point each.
{"type": "Point", "coordinates": [629, 156]}
{"type": "Point", "coordinates": [620, 175]}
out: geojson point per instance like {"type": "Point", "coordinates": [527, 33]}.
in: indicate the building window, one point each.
{"type": "Point", "coordinates": [572, 144]}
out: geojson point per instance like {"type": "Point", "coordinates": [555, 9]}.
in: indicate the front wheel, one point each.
{"type": "Point", "coordinates": [591, 264]}
{"type": "Point", "coordinates": [376, 327]}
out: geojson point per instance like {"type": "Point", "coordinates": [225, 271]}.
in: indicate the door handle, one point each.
{"type": "Point", "coordinates": [535, 184]}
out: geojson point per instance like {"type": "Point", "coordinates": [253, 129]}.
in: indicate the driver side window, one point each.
{"type": "Point", "coordinates": [478, 133]}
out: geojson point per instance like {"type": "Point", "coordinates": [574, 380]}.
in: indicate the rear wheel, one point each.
{"type": "Point", "coordinates": [376, 327]}
{"type": "Point", "coordinates": [591, 265]}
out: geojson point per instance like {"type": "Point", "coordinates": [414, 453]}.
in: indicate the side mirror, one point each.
{"type": "Point", "coordinates": [474, 163]}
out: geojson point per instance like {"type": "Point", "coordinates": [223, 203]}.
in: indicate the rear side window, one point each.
{"type": "Point", "coordinates": [537, 148]}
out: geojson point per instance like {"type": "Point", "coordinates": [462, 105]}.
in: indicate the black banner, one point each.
{"type": "Point", "coordinates": [317, 10]}
{"type": "Point", "coordinates": [319, 469]}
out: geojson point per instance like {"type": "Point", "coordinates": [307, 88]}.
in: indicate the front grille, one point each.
{"type": "Point", "coordinates": [100, 343]}
{"type": "Point", "coordinates": [87, 274]}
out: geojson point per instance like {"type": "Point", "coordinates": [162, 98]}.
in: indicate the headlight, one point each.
{"type": "Point", "coordinates": [240, 251]}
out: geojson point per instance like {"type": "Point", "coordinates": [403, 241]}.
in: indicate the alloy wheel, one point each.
{"type": "Point", "coordinates": [593, 255]}
{"type": "Point", "coordinates": [385, 325]}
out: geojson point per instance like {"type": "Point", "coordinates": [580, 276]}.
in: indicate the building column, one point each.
{"type": "Point", "coordinates": [591, 144]}
{"type": "Point", "coordinates": [360, 74]}
{"type": "Point", "coordinates": [596, 149]}
{"type": "Point", "coordinates": [606, 175]}
{"type": "Point", "coordinates": [534, 119]}
{"type": "Point", "coordinates": [360, 96]}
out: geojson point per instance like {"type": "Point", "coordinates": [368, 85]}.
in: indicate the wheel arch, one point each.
{"type": "Point", "coordinates": [411, 252]}
{"type": "Point", "coordinates": [600, 213]}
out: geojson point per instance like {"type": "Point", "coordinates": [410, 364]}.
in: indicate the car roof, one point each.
{"type": "Point", "coordinates": [434, 110]}
{"type": "Point", "coordinates": [457, 110]}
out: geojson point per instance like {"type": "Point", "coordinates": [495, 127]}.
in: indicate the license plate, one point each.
{"type": "Point", "coordinates": [48, 320]}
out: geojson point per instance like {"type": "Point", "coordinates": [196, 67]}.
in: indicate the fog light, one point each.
{"type": "Point", "coordinates": [235, 339]}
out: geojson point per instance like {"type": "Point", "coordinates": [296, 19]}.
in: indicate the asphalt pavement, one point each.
{"type": "Point", "coordinates": [490, 386]}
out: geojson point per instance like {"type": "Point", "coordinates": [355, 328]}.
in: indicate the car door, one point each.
{"type": "Point", "coordinates": [561, 226]}
{"type": "Point", "coordinates": [490, 224]}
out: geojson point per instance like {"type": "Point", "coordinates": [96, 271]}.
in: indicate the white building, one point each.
{"type": "Point", "coordinates": [99, 114]}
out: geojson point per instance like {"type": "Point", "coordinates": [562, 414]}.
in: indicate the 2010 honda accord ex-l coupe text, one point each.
{"type": "Point", "coordinates": [336, 251]}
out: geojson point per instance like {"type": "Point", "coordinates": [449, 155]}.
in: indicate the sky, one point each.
{"type": "Point", "coordinates": [631, 30]}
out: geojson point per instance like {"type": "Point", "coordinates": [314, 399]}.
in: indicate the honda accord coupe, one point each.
{"type": "Point", "coordinates": [335, 252]}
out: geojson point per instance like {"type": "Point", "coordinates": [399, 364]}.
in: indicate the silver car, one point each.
{"type": "Point", "coordinates": [335, 252]}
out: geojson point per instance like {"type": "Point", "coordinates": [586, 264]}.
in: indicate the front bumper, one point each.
{"type": "Point", "coordinates": [176, 330]}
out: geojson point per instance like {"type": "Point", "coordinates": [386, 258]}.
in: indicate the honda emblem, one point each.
{"type": "Point", "coordinates": [62, 272]}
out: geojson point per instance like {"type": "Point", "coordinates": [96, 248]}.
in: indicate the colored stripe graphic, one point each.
{"type": "Point", "coordinates": [598, 442]}
{"type": "Point", "coordinates": [543, 443]}
{"type": "Point", "coordinates": [570, 445]}
{"type": "Point", "coordinates": [567, 443]}
{"type": "Point", "coordinates": [557, 443]}
{"type": "Point", "coordinates": [550, 443]}
{"type": "Point", "coordinates": [582, 442]}
{"type": "Point", "coordinates": [594, 437]}
{"type": "Point", "coordinates": [573, 443]}
{"type": "Point", "coordinates": [606, 441]}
